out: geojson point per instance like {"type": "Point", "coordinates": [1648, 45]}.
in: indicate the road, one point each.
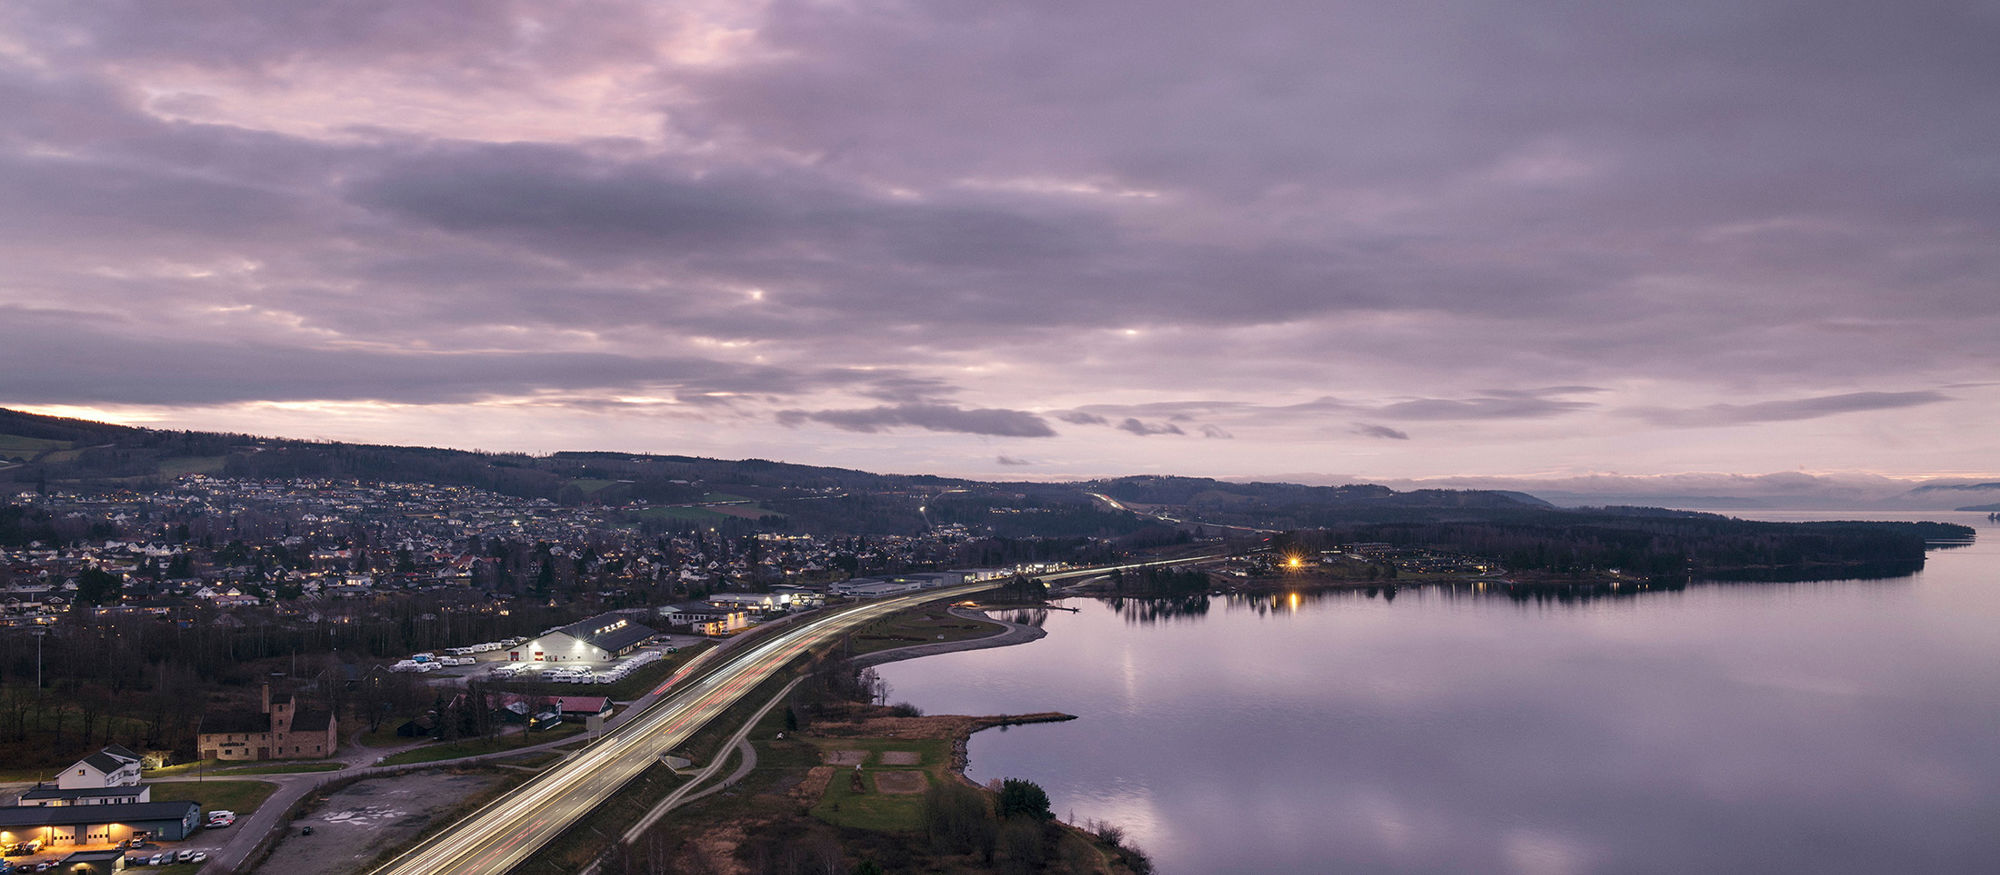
{"type": "Point", "coordinates": [1115, 504]}
{"type": "Point", "coordinates": [504, 833]}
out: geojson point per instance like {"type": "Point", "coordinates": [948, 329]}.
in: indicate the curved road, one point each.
{"type": "Point", "coordinates": [498, 837]}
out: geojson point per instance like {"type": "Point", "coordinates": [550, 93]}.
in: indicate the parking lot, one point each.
{"type": "Point", "coordinates": [196, 849]}
{"type": "Point", "coordinates": [362, 819]}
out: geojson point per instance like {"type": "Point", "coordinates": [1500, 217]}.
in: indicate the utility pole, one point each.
{"type": "Point", "coordinates": [39, 635]}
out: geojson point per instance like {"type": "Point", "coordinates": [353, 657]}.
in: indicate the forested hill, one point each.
{"type": "Point", "coordinates": [70, 451]}
{"type": "Point", "coordinates": [1291, 505]}
{"type": "Point", "coordinates": [42, 452]}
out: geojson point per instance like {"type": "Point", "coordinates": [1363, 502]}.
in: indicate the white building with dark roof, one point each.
{"type": "Point", "coordinates": [42, 794]}
{"type": "Point", "coordinates": [599, 639]}
{"type": "Point", "coordinates": [113, 766]}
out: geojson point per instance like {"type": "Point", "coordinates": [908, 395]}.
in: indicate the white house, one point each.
{"type": "Point", "coordinates": [113, 766]}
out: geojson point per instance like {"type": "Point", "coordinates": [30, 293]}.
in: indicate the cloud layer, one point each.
{"type": "Point", "coordinates": [896, 235]}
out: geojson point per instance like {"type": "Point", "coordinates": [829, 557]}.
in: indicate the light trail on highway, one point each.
{"type": "Point", "coordinates": [505, 832]}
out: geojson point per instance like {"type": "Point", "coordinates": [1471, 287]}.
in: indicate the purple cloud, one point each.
{"type": "Point", "coordinates": [1380, 431]}
{"type": "Point", "coordinates": [933, 417]}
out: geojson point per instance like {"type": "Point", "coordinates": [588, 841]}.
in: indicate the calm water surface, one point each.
{"type": "Point", "coordinates": [1819, 727]}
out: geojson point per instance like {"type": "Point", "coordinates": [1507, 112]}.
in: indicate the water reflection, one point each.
{"type": "Point", "coordinates": [1701, 727]}
{"type": "Point", "coordinates": [1036, 617]}
{"type": "Point", "coordinates": [1145, 611]}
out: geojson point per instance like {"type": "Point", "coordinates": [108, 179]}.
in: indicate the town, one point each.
{"type": "Point", "coordinates": [216, 622]}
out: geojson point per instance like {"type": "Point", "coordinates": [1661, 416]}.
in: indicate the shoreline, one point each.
{"type": "Point", "coordinates": [1010, 634]}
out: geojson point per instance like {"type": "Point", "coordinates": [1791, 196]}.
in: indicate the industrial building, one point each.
{"type": "Point", "coordinates": [58, 825]}
{"type": "Point", "coordinates": [599, 639]}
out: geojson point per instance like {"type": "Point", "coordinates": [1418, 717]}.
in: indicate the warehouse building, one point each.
{"type": "Point", "coordinates": [59, 825]}
{"type": "Point", "coordinates": [599, 639]}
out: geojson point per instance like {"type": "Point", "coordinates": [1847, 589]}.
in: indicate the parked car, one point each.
{"type": "Point", "coordinates": [197, 857]}
{"type": "Point", "coordinates": [220, 822]}
{"type": "Point", "coordinates": [162, 858]}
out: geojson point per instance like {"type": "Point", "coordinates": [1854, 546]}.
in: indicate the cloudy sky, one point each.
{"type": "Point", "coordinates": [1024, 239]}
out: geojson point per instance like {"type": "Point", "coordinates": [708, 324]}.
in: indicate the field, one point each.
{"type": "Point", "coordinates": [928, 626]}
{"type": "Point", "coordinates": [283, 769]}
{"type": "Point", "coordinates": [177, 466]}
{"type": "Point", "coordinates": [241, 797]}
{"type": "Point", "coordinates": [680, 513]}
{"type": "Point", "coordinates": [431, 753]}
{"type": "Point", "coordinates": [16, 445]}
{"type": "Point", "coordinates": [886, 791]}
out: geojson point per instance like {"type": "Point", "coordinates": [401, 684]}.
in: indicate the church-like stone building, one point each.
{"type": "Point", "coordinates": [280, 730]}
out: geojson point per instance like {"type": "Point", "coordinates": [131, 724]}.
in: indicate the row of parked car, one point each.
{"type": "Point", "coordinates": [166, 858]}
{"type": "Point", "coordinates": [163, 858]}
{"type": "Point", "coordinates": [577, 675]}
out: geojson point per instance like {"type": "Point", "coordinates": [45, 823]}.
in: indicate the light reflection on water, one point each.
{"type": "Point", "coordinates": [1807, 727]}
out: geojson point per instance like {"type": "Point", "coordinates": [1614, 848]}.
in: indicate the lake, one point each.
{"type": "Point", "coordinates": [1849, 726]}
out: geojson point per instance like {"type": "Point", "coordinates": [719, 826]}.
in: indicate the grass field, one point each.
{"type": "Point", "coordinates": [680, 513]}
{"type": "Point", "coordinates": [281, 769]}
{"type": "Point", "coordinates": [868, 807]}
{"type": "Point", "coordinates": [591, 486]}
{"type": "Point", "coordinates": [473, 747]}
{"type": "Point", "coordinates": [188, 769]}
{"type": "Point", "coordinates": [386, 736]}
{"type": "Point", "coordinates": [241, 797]}
{"type": "Point", "coordinates": [16, 445]}
{"type": "Point", "coordinates": [191, 465]}
{"type": "Point", "coordinates": [532, 760]}
{"type": "Point", "coordinates": [925, 626]}
{"type": "Point", "coordinates": [746, 511]}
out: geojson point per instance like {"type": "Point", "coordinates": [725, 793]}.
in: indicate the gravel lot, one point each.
{"type": "Point", "coordinates": [361, 820]}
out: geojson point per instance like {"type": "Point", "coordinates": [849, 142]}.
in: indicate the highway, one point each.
{"type": "Point", "coordinates": [505, 832]}
{"type": "Point", "coordinates": [501, 835]}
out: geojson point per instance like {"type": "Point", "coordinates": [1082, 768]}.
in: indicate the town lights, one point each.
{"type": "Point", "coordinates": [1294, 562]}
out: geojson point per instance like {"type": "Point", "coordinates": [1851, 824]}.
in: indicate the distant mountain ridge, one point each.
{"type": "Point", "coordinates": [659, 492]}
